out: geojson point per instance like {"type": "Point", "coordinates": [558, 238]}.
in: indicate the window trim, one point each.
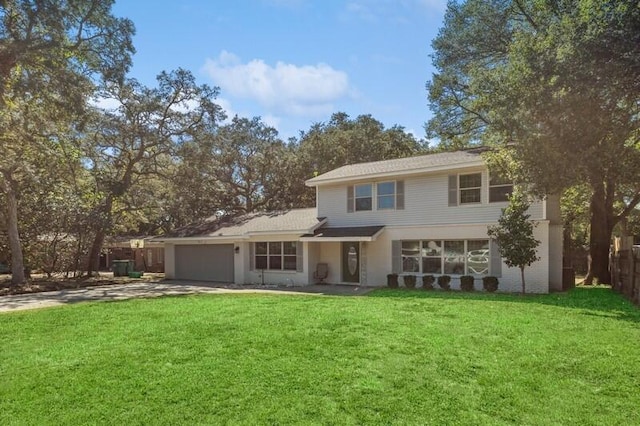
{"type": "Point", "coordinates": [282, 255]}
{"type": "Point", "coordinates": [472, 188]}
{"type": "Point", "coordinates": [397, 197]}
{"type": "Point", "coordinates": [442, 242]}
{"type": "Point", "coordinates": [417, 257]}
{"type": "Point", "coordinates": [500, 185]}
{"type": "Point", "coordinates": [393, 195]}
{"type": "Point", "coordinates": [355, 197]}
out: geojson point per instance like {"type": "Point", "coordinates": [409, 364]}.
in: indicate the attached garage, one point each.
{"type": "Point", "coordinates": [210, 262]}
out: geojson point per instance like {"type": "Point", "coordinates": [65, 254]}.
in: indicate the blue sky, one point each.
{"type": "Point", "coordinates": [295, 62]}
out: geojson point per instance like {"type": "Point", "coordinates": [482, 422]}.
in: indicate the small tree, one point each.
{"type": "Point", "coordinates": [514, 234]}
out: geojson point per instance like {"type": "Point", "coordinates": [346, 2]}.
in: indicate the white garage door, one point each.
{"type": "Point", "coordinates": [205, 262]}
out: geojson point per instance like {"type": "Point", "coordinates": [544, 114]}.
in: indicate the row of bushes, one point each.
{"type": "Point", "coordinates": [489, 283]}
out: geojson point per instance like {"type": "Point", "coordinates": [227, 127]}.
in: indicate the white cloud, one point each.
{"type": "Point", "coordinates": [107, 104]}
{"type": "Point", "coordinates": [272, 120]}
{"type": "Point", "coordinates": [185, 106]}
{"type": "Point", "coordinates": [363, 11]}
{"type": "Point", "coordinates": [225, 104]}
{"type": "Point", "coordinates": [306, 90]}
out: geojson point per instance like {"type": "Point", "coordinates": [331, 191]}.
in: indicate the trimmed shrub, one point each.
{"type": "Point", "coordinates": [409, 281]}
{"type": "Point", "coordinates": [490, 283]}
{"type": "Point", "coordinates": [392, 280]}
{"type": "Point", "coordinates": [444, 281]}
{"type": "Point", "coordinates": [427, 282]}
{"type": "Point", "coordinates": [466, 283]}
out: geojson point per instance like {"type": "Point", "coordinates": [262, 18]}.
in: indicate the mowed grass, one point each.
{"type": "Point", "coordinates": [394, 357]}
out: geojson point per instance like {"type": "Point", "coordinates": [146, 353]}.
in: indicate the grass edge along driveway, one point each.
{"type": "Point", "coordinates": [393, 357]}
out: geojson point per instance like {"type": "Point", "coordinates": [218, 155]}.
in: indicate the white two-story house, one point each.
{"type": "Point", "coordinates": [423, 215]}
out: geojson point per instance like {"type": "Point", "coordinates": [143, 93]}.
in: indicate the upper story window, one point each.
{"type": "Point", "coordinates": [386, 192]}
{"type": "Point", "coordinates": [469, 188]}
{"type": "Point", "coordinates": [387, 195]}
{"type": "Point", "coordinates": [364, 197]}
{"type": "Point", "coordinates": [499, 189]}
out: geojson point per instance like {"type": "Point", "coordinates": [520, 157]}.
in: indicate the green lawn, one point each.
{"type": "Point", "coordinates": [394, 357]}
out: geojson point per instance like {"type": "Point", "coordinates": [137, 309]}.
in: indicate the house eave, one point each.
{"type": "Point", "coordinates": [335, 239]}
{"type": "Point", "coordinates": [361, 238]}
{"type": "Point", "coordinates": [204, 239]}
{"type": "Point", "coordinates": [208, 239]}
{"type": "Point", "coordinates": [314, 182]}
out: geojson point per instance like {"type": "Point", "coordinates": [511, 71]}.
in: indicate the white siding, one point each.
{"type": "Point", "coordinates": [270, 277]}
{"type": "Point", "coordinates": [553, 213]}
{"type": "Point", "coordinates": [280, 278]}
{"type": "Point", "coordinates": [379, 255]}
{"type": "Point", "coordinates": [331, 253]}
{"type": "Point", "coordinates": [241, 262]}
{"type": "Point", "coordinates": [426, 203]}
{"type": "Point", "coordinates": [312, 255]}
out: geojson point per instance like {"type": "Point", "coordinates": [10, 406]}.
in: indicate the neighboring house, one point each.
{"type": "Point", "coordinates": [419, 215]}
{"type": "Point", "coordinates": [147, 253]}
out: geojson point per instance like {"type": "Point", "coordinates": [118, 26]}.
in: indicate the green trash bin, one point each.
{"type": "Point", "coordinates": [120, 268]}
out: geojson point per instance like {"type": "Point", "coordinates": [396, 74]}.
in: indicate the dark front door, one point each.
{"type": "Point", "coordinates": [351, 262]}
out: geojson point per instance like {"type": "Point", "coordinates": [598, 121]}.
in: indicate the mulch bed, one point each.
{"type": "Point", "coordinates": [41, 284]}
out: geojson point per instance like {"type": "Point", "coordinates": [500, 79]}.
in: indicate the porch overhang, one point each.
{"type": "Point", "coordinates": [339, 234]}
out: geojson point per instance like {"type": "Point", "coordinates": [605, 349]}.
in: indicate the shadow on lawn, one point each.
{"type": "Point", "coordinates": [594, 301]}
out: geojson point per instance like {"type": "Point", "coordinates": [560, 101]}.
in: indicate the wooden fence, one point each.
{"type": "Point", "coordinates": [625, 274]}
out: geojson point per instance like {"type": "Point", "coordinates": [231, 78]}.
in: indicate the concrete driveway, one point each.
{"type": "Point", "coordinates": [147, 289]}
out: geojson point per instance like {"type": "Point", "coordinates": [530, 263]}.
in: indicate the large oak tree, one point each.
{"type": "Point", "coordinates": [343, 140]}
{"type": "Point", "coordinates": [559, 83]}
{"type": "Point", "coordinates": [130, 146]}
{"type": "Point", "coordinates": [50, 53]}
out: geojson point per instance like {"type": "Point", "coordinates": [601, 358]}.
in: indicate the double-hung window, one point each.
{"type": "Point", "coordinates": [388, 195]}
{"type": "Point", "coordinates": [364, 197]}
{"type": "Point", "coordinates": [386, 192]}
{"type": "Point", "coordinates": [499, 189]}
{"type": "Point", "coordinates": [276, 255]}
{"type": "Point", "coordinates": [470, 186]}
{"type": "Point", "coordinates": [289, 255]}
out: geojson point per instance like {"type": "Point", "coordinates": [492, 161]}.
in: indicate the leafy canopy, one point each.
{"type": "Point", "coordinates": [557, 82]}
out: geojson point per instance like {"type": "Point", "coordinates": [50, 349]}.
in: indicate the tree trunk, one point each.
{"type": "Point", "coordinates": [93, 263]}
{"type": "Point", "coordinates": [103, 224]}
{"type": "Point", "coordinates": [599, 245]}
{"type": "Point", "coordinates": [77, 254]}
{"type": "Point", "coordinates": [522, 277]}
{"type": "Point", "coordinates": [601, 228]}
{"type": "Point", "coordinates": [17, 260]}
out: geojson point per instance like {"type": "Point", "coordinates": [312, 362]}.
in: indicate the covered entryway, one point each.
{"type": "Point", "coordinates": [342, 249]}
{"type": "Point", "coordinates": [206, 262]}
